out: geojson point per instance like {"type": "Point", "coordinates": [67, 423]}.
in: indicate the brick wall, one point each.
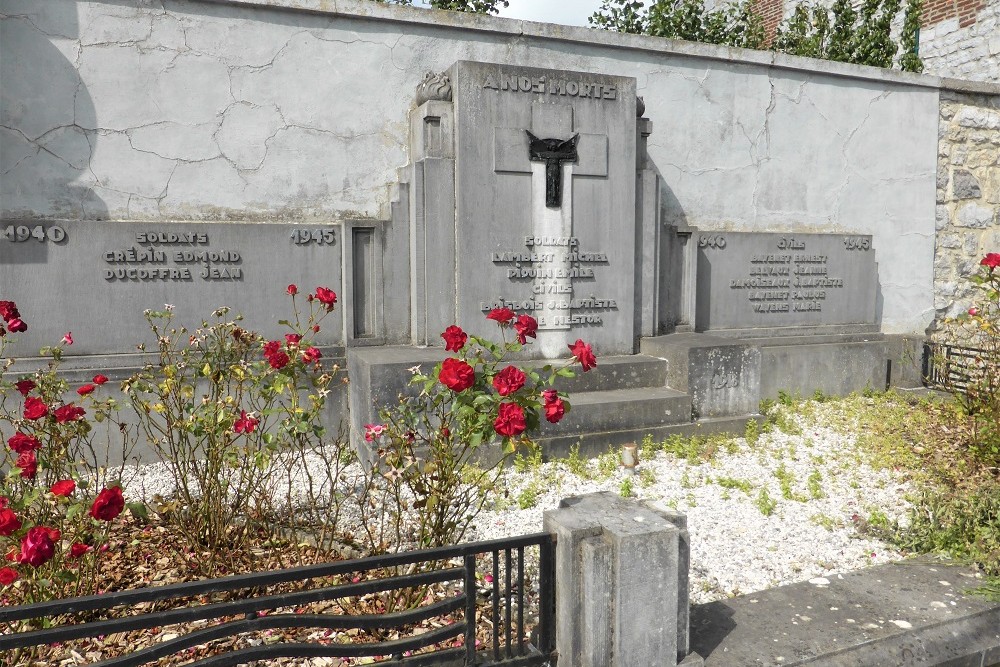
{"type": "Point", "coordinates": [773, 12]}
{"type": "Point", "coordinates": [961, 39]}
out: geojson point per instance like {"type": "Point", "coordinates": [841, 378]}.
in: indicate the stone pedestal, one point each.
{"type": "Point", "coordinates": [622, 581]}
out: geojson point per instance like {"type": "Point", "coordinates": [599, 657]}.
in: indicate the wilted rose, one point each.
{"type": "Point", "coordinates": [24, 386]}
{"type": "Point", "coordinates": [69, 413]}
{"type": "Point", "coordinates": [245, 423]}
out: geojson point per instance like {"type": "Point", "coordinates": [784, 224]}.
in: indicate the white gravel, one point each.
{"type": "Point", "coordinates": [735, 547]}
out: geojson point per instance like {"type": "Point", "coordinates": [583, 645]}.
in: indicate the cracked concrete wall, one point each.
{"type": "Point", "coordinates": [968, 198]}
{"type": "Point", "coordinates": [297, 110]}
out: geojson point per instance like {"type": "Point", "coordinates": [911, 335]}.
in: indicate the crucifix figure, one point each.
{"type": "Point", "coordinates": [553, 152]}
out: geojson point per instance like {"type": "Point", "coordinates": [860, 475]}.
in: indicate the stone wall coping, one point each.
{"type": "Point", "coordinates": [445, 20]}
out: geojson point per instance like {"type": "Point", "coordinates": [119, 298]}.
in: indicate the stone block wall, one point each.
{"type": "Point", "coordinates": [968, 196]}
{"type": "Point", "coordinates": [961, 39]}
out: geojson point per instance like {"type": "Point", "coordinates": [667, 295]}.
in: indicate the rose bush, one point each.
{"type": "Point", "coordinates": [979, 329]}
{"type": "Point", "coordinates": [217, 405]}
{"type": "Point", "coordinates": [52, 466]}
{"type": "Point", "coordinates": [441, 450]}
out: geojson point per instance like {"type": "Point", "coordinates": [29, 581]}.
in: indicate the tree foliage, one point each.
{"type": "Point", "coordinates": [473, 6]}
{"type": "Point", "coordinates": [838, 33]}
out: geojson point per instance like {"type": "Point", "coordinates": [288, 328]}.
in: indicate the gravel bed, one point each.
{"type": "Point", "coordinates": [811, 531]}
{"type": "Point", "coordinates": [735, 548]}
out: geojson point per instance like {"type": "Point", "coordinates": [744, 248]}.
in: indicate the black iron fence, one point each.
{"type": "Point", "coordinates": [480, 606]}
{"type": "Point", "coordinates": [952, 367]}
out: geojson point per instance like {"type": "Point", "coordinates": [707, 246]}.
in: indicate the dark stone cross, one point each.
{"type": "Point", "coordinates": [553, 152]}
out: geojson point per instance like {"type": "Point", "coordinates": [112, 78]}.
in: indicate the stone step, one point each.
{"type": "Point", "coordinates": [612, 372]}
{"type": "Point", "coordinates": [620, 409]}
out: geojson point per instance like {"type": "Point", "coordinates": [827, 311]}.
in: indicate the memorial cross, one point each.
{"type": "Point", "coordinates": [553, 152]}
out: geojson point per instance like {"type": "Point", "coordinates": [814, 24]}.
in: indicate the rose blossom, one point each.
{"type": "Point", "coordinates": [526, 327]}
{"type": "Point", "coordinates": [454, 338]}
{"type": "Point", "coordinates": [292, 339]}
{"type": "Point", "coordinates": [373, 431]}
{"type": "Point", "coordinates": [68, 338]}
{"type": "Point", "coordinates": [509, 380]}
{"type": "Point", "coordinates": [69, 413]}
{"type": "Point", "coordinates": [245, 424]}
{"type": "Point", "coordinates": [973, 311]}
{"type": "Point", "coordinates": [278, 360]}
{"type": "Point", "coordinates": [292, 289]}
{"type": "Point", "coordinates": [28, 464]}
{"type": "Point", "coordinates": [9, 523]}
{"type": "Point", "coordinates": [311, 354]}
{"type": "Point", "coordinates": [992, 260]}
{"type": "Point", "coordinates": [510, 420]}
{"type": "Point", "coordinates": [554, 406]}
{"type": "Point", "coordinates": [21, 443]}
{"type": "Point", "coordinates": [583, 354]}
{"type": "Point", "coordinates": [501, 315]}
{"type": "Point", "coordinates": [86, 389]}
{"type": "Point", "coordinates": [326, 296]}
{"type": "Point", "coordinates": [99, 379]}
{"type": "Point", "coordinates": [78, 549]}
{"type": "Point", "coordinates": [38, 546]}
{"type": "Point", "coordinates": [24, 386]}
{"type": "Point", "coordinates": [108, 504]}
{"type": "Point", "coordinates": [63, 487]}
{"type": "Point", "coordinates": [8, 310]}
{"type": "Point", "coordinates": [271, 347]}
{"type": "Point", "coordinates": [34, 408]}
{"type": "Point", "coordinates": [8, 575]}
{"type": "Point", "coordinates": [456, 374]}
{"type": "Point", "coordinates": [17, 325]}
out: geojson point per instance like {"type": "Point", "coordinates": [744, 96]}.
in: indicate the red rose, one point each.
{"type": "Point", "coordinates": [8, 310]}
{"type": "Point", "coordinates": [292, 289]}
{"type": "Point", "coordinates": [326, 296]}
{"type": "Point", "coordinates": [526, 327]}
{"type": "Point", "coordinates": [108, 504]}
{"type": "Point", "coordinates": [4, 501]}
{"type": "Point", "coordinates": [373, 432]}
{"type": "Point", "coordinates": [34, 408]}
{"type": "Point", "coordinates": [63, 487]}
{"type": "Point", "coordinates": [28, 464]}
{"type": "Point", "coordinates": [311, 354]}
{"type": "Point", "coordinates": [292, 339]}
{"type": "Point", "coordinates": [278, 360]}
{"type": "Point", "coordinates": [454, 338]}
{"type": "Point", "coordinates": [69, 413]}
{"type": "Point", "coordinates": [100, 379]}
{"type": "Point", "coordinates": [509, 380]}
{"type": "Point", "coordinates": [991, 260]}
{"type": "Point", "coordinates": [21, 443]}
{"type": "Point", "coordinates": [17, 325]}
{"type": "Point", "coordinates": [510, 420]}
{"type": "Point", "coordinates": [456, 374]}
{"type": "Point", "coordinates": [68, 338]}
{"type": "Point", "coordinates": [973, 311]}
{"type": "Point", "coordinates": [25, 386]}
{"type": "Point", "coordinates": [583, 354]}
{"type": "Point", "coordinates": [9, 523]}
{"type": "Point", "coordinates": [86, 389]}
{"type": "Point", "coordinates": [271, 347]}
{"type": "Point", "coordinates": [554, 406]}
{"type": "Point", "coordinates": [501, 315]}
{"type": "Point", "coordinates": [77, 549]}
{"type": "Point", "coordinates": [245, 424]}
{"type": "Point", "coordinates": [38, 546]}
{"type": "Point", "coordinates": [8, 575]}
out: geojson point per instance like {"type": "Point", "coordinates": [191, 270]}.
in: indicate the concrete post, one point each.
{"type": "Point", "coordinates": [621, 583]}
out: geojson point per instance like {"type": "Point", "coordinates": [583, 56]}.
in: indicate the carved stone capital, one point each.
{"type": "Point", "coordinates": [434, 87]}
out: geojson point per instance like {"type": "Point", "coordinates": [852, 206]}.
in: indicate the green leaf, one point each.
{"type": "Point", "coordinates": [566, 372]}
{"type": "Point", "coordinates": [138, 510]}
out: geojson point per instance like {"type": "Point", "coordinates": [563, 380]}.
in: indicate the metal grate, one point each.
{"type": "Point", "coordinates": [258, 609]}
{"type": "Point", "coordinates": [952, 367]}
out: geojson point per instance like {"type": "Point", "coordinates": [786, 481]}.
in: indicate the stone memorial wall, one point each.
{"type": "Point", "coordinates": [750, 280]}
{"type": "Point", "coordinates": [96, 278]}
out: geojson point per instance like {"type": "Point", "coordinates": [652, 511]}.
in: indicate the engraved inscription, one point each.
{"type": "Point", "coordinates": [555, 259]}
{"type": "Point", "coordinates": [551, 85]}
{"type": "Point", "coordinates": [40, 233]}
{"type": "Point", "coordinates": [725, 379]}
{"type": "Point", "coordinates": [785, 282]}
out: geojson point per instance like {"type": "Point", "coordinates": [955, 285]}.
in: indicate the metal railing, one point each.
{"type": "Point", "coordinates": [951, 367]}
{"type": "Point", "coordinates": [259, 609]}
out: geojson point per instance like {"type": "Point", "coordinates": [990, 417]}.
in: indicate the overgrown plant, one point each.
{"type": "Point", "coordinates": [217, 404]}
{"type": "Point", "coordinates": [440, 451]}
